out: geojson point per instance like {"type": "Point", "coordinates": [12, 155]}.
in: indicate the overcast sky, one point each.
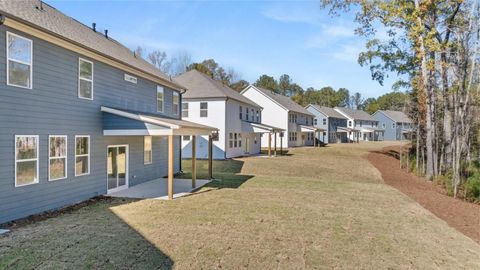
{"type": "Point", "coordinates": [253, 37]}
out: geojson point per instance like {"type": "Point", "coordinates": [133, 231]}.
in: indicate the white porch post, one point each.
{"type": "Point", "coordinates": [194, 161]}
{"type": "Point", "coordinates": [269, 144]}
{"type": "Point", "coordinates": [281, 143]}
{"type": "Point", "coordinates": [210, 157]}
{"type": "Point", "coordinates": [170, 167]}
{"type": "Point", "coordinates": [275, 144]}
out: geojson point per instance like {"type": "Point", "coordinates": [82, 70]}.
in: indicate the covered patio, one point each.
{"type": "Point", "coordinates": [353, 135]}
{"type": "Point", "coordinates": [254, 127]}
{"type": "Point", "coordinates": [375, 132]}
{"type": "Point", "coordinates": [118, 122]}
{"type": "Point", "coordinates": [315, 130]}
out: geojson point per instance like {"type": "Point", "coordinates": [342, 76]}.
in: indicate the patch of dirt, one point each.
{"type": "Point", "coordinates": [461, 215]}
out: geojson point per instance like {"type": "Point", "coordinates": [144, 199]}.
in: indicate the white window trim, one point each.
{"type": "Point", "coordinates": [151, 150]}
{"type": "Point", "coordinates": [18, 61]}
{"type": "Point", "coordinates": [83, 155]}
{"type": "Point", "coordinates": [66, 157]}
{"type": "Point", "coordinates": [175, 112]}
{"type": "Point", "coordinates": [24, 160]}
{"type": "Point", "coordinates": [163, 98]}
{"type": "Point", "coordinates": [80, 78]}
{"type": "Point", "coordinates": [187, 110]}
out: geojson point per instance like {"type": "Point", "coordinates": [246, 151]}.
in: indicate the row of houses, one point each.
{"type": "Point", "coordinates": [81, 115]}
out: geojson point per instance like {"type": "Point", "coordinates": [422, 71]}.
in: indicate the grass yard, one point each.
{"type": "Point", "coordinates": [317, 208]}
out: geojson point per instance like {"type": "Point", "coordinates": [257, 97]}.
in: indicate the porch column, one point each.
{"type": "Point", "coordinates": [194, 161]}
{"type": "Point", "coordinates": [210, 157]}
{"type": "Point", "coordinates": [275, 144]}
{"type": "Point", "coordinates": [281, 144]}
{"type": "Point", "coordinates": [269, 144]}
{"type": "Point", "coordinates": [170, 167]}
{"type": "Point", "coordinates": [315, 138]}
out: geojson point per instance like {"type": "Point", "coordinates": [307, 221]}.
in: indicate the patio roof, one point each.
{"type": "Point", "coordinates": [117, 122]}
{"type": "Point", "coordinates": [259, 127]}
{"type": "Point", "coordinates": [304, 128]}
{"type": "Point", "coordinates": [346, 129]}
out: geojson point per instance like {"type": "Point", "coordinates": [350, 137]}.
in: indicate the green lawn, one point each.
{"type": "Point", "coordinates": [313, 208]}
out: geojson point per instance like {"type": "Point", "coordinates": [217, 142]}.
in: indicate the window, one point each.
{"type": "Point", "coordinates": [383, 125]}
{"type": "Point", "coordinates": [258, 116]}
{"type": "Point", "coordinates": [246, 114]}
{"type": "Point", "coordinates": [253, 115]}
{"type": "Point", "coordinates": [57, 158]}
{"type": "Point", "coordinates": [176, 103]}
{"type": "Point", "coordinates": [85, 79]}
{"type": "Point", "coordinates": [292, 118]}
{"type": "Point", "coordinates": [19, 58]}
{"type": "Point", "coordinates": [239, 139]}
{"type": "Point", "coordinates": [235, 141]}
{"type": "Point", "coordinates": [393, 125]}
{"type": "Point", "coordinates": [315, 121]}
{"type": "Point", "coordinates": [203, 109]}
{"type": "Point", "coordinates": [184, 109]}
{"type": "Point", "coordinates": [230, 140]}
{"type": "Point", "coordinates": [147, 150]}
{"type": "Point", "coordinates": [186, 137]}
{"type": "Point", "coordinates": [324, 121]}
{"type": "Point", "coordinates": [241, 113]}
{"type": "Point", "coordinates": [82, 155]}
{"type": "Point", "coordinates": [160, 98]}
{"type": "Point", "coordinates": [26, 160]}
{"type": "Point", "coordinates": [349, 123]}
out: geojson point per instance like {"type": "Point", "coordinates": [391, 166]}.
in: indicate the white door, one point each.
{"type": "Point", "coordinates": [117, 167]}
{"type": "Point", "coordinates": [247, 145]}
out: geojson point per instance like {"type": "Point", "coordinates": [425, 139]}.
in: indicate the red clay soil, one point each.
{"type": "Point", "coordinates": [461, 215]}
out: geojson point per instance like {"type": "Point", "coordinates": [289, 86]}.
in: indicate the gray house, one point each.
{"type": "Point", "coordinates": [80, 114]}
{"type": "Point", "coordinates": [361, 125]}
{"type": "Point", "coordinates": [396, 124]}
{"type": "Point", "coordinates": [332, 122]}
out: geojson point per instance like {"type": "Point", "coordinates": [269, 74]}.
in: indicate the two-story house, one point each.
{"type": "Point", "coordinates": [329, 120]}
{"type": "Point", "coordinates": [282, 112]}
{"type": "Point", "coordinates": [361, 125]}
{"type": "Point", "coordinates": [397, 125]}
{"type": "Point", "coordinates": [80, 114]}
{"type": "Point", "coordinates": [237, 118]}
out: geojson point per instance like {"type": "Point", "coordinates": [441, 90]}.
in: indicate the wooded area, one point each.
{"type": "Point", "coordinates": [433, 47]}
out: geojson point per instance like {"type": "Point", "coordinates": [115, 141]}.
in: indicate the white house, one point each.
{"type": "Point", "coordinates": [237, 118]}
{"type": "Point", "coordinates": [281, 111]}
{"type": "Point", "coordinates": [361, 125]}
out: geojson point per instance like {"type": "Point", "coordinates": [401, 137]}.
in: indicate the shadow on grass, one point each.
{"type": "Point", "coordinates": [390, 153]}
{"type": "Point", "coordinates": [228, 173]}
{"type": "Point", "coordinates": [89, 235]}
{"type": "Point", "coordinates": [284, 152]}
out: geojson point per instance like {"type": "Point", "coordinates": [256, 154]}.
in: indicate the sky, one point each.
{"type": "Point", "coordinates": [297, 38]}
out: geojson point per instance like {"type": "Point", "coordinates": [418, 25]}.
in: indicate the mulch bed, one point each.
{"type": "Point", "coordinates": [461, 215]}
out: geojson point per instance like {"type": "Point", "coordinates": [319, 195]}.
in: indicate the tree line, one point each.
{"type": "Point", "coordinates": [434, 47]}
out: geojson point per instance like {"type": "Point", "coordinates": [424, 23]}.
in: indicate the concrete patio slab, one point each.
{"type": "Point", "coordinates": [157, 189]}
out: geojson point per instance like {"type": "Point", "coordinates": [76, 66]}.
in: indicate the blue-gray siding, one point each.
{"type": "Point", "coordinates": [52, 107]}
{"type": "Point", "coordinates": [392, 133]}
{"type": "Point", "coordinates": [331, 125]}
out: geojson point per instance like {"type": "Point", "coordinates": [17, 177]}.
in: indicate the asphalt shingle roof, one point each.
{"type": "Point", "coordinates": [200, 85]}
{"type": "Point", "coordinates": [397, 116]}
{"type": "Point", "coordinates": [329, 112]}
{"type": "Point", "coordinates": [284, 101]}
{"type": "Point", "coordinates": [55, 22]}
{"type": "Point", "coordinates": [356, 114]}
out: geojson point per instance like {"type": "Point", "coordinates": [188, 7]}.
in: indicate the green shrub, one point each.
{"type": "Point", "coordinates": [446, 182]}
{"type": "Point", "coordinates": [472, 187]}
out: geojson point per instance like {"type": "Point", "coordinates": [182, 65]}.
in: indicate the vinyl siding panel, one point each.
{"type": "Point", "coordinates": [52, 107]}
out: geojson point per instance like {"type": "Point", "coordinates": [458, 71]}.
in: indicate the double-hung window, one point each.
{"type": "Point", "coordinates": [26, 160]}
{"type": "Point", "coordinates": [57, 157]}
{"type": "Point", "coordinates": [82, 155]}
{"type": "Point", "coordinates": [240, 113]}
{"type": "Point", "coordinates": [147, 150]}
{"type": "Point", "coordinates": [184, 109]}
{"type": "Point", "coordinates": [230, 140]}
{"type": "Point", "coordinates": [246, 114]}
{"type": "Point", "coordinates": [176, 103]}
{"type": "Point", "coordinates": [203, 109]}
{"type": "Point", "coordinates": [160, 99]}
{"type": "Point", "coordinates": [85, 79]}
{"type": "Point", "coordinates": [19, 61]}
{"type": "Point", "coordinates": [258, 116]}
{"type": "Point", "coordinates": [253, 115]}
{"type": "Point", "coordinates": [324, 121]}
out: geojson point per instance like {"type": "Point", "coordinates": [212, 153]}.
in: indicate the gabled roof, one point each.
{"type": "Point", "coordinates": [356, 114]}
{"type": "Point", "coordinates": [396, 116]}
{"type": "Point", "coordinates": [54, 22]}
{"type": "Point", "coordinates": [329, 112]}
{"type": "Point", "coordinates": [200, 86]}
{"type": "Point", "coordinates": [284, 101]}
